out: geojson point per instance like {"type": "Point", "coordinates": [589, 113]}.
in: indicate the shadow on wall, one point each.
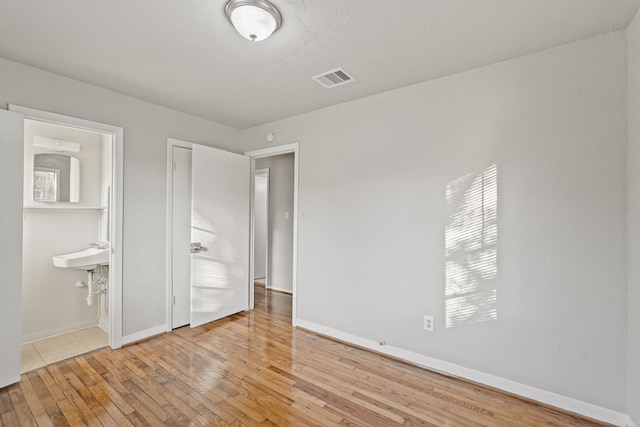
{"type": "Point", "coordinates": [471, 249]}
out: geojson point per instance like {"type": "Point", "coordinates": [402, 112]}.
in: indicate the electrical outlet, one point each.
{"type": "Point", "coordinates": [428, 323]}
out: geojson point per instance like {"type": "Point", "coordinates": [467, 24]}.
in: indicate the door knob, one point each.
{"type": "Point", "coordinates": [196, 248]}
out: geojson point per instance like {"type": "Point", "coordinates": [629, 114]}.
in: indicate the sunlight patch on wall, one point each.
{"type": "Point", "coordinates": [471, 249]}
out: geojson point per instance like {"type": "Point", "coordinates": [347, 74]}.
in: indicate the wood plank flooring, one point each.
{"type": "Point", "coordinates": [254, 369]}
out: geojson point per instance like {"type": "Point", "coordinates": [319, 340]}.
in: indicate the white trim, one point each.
{"type": "Point", "coordinates": [268, 241]}
{"type": "Point", "coordinates": [116, 237]}
{"type": "Point", "coordinates": [147, 333]}
{"type": "Point", "coordinates": [274, 151]}
{"type": "Point", "coordinates": [171, 143]}
{"type": "Point", "coordinates": [543, 396]}
{"type": "Point", "coordinates": [168, 265]}
{"type": "Point", "coordinates": [284, 291]}
{"type": "Point", "coordinates": [252, 228]}
{"type": "Point", "coordinates": [103, 324]}
{"type": "Point", "coordinates": [179, 143]}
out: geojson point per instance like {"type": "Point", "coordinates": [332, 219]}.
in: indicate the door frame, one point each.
{"type": "Point", "coordinates": [116, 214]}
{"type": "Point", "coordinates": [265, 172]}
{"type": "Point", "coordinates": [269, 152]}
{"type": "Point", "coordinates": [179, 155]}
{"type": "Point", "coordinates": [171, 143]}
{"type": "Point", "coordinates": [255, 154]}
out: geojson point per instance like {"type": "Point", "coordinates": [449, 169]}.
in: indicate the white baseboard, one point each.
{"type": "Point", "coordinates": [138, 336]}
{"type": "Point", "coordinates": [284, 291]}
{"type": "Point", "coordinates": [58, 331]}
{"type": "Point", "coordinates": [104, 324]}
{"type": "Point", "coordinates": [543, 396]}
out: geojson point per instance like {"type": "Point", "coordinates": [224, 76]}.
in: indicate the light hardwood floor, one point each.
{"type": "Point", "coordinates": [254, 369]}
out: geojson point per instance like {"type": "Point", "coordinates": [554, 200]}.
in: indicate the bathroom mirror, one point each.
{"type": "Point", "coordinates": [56, 178]}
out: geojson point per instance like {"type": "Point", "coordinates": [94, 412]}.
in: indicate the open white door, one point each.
{"type": "Point", "coordinates": [220, 227]}
{"type": "Point", "coordinates": [11, 170]}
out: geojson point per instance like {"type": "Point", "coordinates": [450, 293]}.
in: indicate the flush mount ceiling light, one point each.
{"type": "Point", "coordinates": [255, 20]}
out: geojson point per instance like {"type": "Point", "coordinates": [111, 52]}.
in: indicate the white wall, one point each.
{"type": "Point", "coordinates": [11, 141]}
{"type": "Point", "coordinates": [260, 221]}
{"type": "Point", "coordinates": [146, 129]}
{"type": "Point", "coordinates": [373, 212]}
{"type": "Point", "coordinates": [280, 226]}
{"type": "Point", "coordinates": [51, 303]}
{"type": "Point", "coordinates": [633, 224]}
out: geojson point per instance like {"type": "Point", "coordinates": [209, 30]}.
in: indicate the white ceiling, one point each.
{"type": "Point", "coordinates": [183, 54]}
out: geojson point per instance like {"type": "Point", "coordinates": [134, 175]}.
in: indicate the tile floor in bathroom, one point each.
{"type": "Point", "coordinates": [49, 350]}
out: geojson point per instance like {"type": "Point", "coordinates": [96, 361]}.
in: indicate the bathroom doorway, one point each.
{"type": "Point", "coordinates": [70, 304]}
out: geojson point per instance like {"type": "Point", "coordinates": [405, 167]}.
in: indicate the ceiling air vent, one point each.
{"type": "Point", "coordinates": [334, 78]}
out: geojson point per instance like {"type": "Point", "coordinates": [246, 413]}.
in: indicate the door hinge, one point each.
{"type": "Point", "coordinates": [174, 165]}
{"type": "Point", "coordinates": [174, 300]}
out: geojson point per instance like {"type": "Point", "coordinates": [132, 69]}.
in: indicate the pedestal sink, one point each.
{"type": "Point", "coordinates": [87, 259]}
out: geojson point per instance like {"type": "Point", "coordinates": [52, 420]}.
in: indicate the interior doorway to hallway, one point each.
{"type": "Point", "coordinates": [180, 250]}
{"type": "Point", "coordinates": [273, 222]}
{"type": "Point", "coordinates": [261, 228]}
{"type": "Point", "coordinates": [274, 236]}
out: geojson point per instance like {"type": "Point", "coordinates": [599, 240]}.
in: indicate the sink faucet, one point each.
{"type": "Point", "coordinates": [99, 245]}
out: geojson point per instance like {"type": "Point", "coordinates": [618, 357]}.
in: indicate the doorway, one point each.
{"type": "Point", "coordinates": [102, 212]}
{"type": "Point", "coordinates": [65, 210]}
{"type": "Point", "coordinates": [219, 174]}
{"type": "Point", "coordinates": [208, 225]}
{"type": "Point", "coordinates": [282, 250]}
{"type": "Point", "coordinates": [261, 229]}
{"type": "Point", "coordinates": [274, 245]}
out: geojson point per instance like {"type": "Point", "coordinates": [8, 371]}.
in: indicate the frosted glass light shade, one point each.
{"type": "Point", "coordinates": [255, 20]}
